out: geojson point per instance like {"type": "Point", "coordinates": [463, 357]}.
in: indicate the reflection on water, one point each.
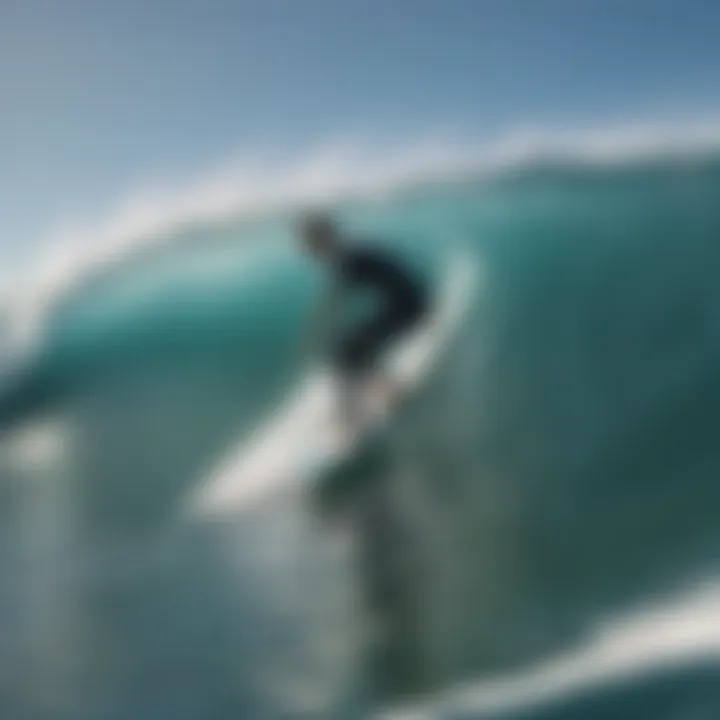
{"type": "Point", "coordinates": [46, 655]}
{"type": "Point", "coordinates": [231, 618]}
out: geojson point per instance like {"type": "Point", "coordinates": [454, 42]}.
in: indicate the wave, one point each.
{"type": "Point", "coordinates": [648, 640]}
{"type": "Point", "coordinates": [259, 182]}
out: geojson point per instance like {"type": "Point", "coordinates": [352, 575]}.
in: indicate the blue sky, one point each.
{"type": "Point", "coordinates": [102, 96]}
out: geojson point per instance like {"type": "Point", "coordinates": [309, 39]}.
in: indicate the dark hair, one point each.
{"type": "Point", "coordinates": [316, 223]}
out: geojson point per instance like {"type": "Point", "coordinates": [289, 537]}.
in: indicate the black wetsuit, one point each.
{"type": "Point", "coordinates": [402, 302]}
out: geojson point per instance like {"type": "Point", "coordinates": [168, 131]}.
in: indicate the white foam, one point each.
{"type": "Point", "coordinates": [40, 445]}
{"type": "Point", "coordinates": [256, 181]}
{"type": "Point", "coordinates": [654, 637]}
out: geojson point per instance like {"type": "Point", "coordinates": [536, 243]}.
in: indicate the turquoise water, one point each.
{"type": "Point", "coordinates": [554, 482]}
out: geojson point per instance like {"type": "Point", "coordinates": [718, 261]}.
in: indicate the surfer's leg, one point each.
{"type": "Point", "coordinates": [355, 362]}
{"type": "Point", "coordinates": [358, 352]}
{"type": "Point", "coordinates": [394, 324]}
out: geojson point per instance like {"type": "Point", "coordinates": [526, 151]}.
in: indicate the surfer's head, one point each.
{"type": "Point", "coordinates": [318, 234]}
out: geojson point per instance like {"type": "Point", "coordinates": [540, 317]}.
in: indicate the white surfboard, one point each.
{"type": "Point", "coordinates": [302, 439]}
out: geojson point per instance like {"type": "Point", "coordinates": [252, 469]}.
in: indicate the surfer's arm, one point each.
{"type": "Point", "coordinates": [323, 321]}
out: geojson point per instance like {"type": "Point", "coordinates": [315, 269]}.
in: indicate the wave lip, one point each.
{"type": "Point", "coordinates": [260, 182]}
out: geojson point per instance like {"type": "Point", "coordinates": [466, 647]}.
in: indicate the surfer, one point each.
{"type": "Point", "coordinates": [401, 301]}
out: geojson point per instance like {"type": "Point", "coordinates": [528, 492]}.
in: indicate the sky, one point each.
{"type": "Point", "coordinates": [99, 98]}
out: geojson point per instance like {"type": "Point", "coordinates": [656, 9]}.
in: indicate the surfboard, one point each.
{"type": "Point", "coordinates": [303, 438]}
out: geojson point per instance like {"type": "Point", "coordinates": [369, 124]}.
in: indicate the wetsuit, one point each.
{"type": "Point", "coordinates": [402, 302]}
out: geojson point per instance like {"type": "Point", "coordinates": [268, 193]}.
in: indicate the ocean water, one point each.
{"type": "Point", "coordinates": [537, 537]}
